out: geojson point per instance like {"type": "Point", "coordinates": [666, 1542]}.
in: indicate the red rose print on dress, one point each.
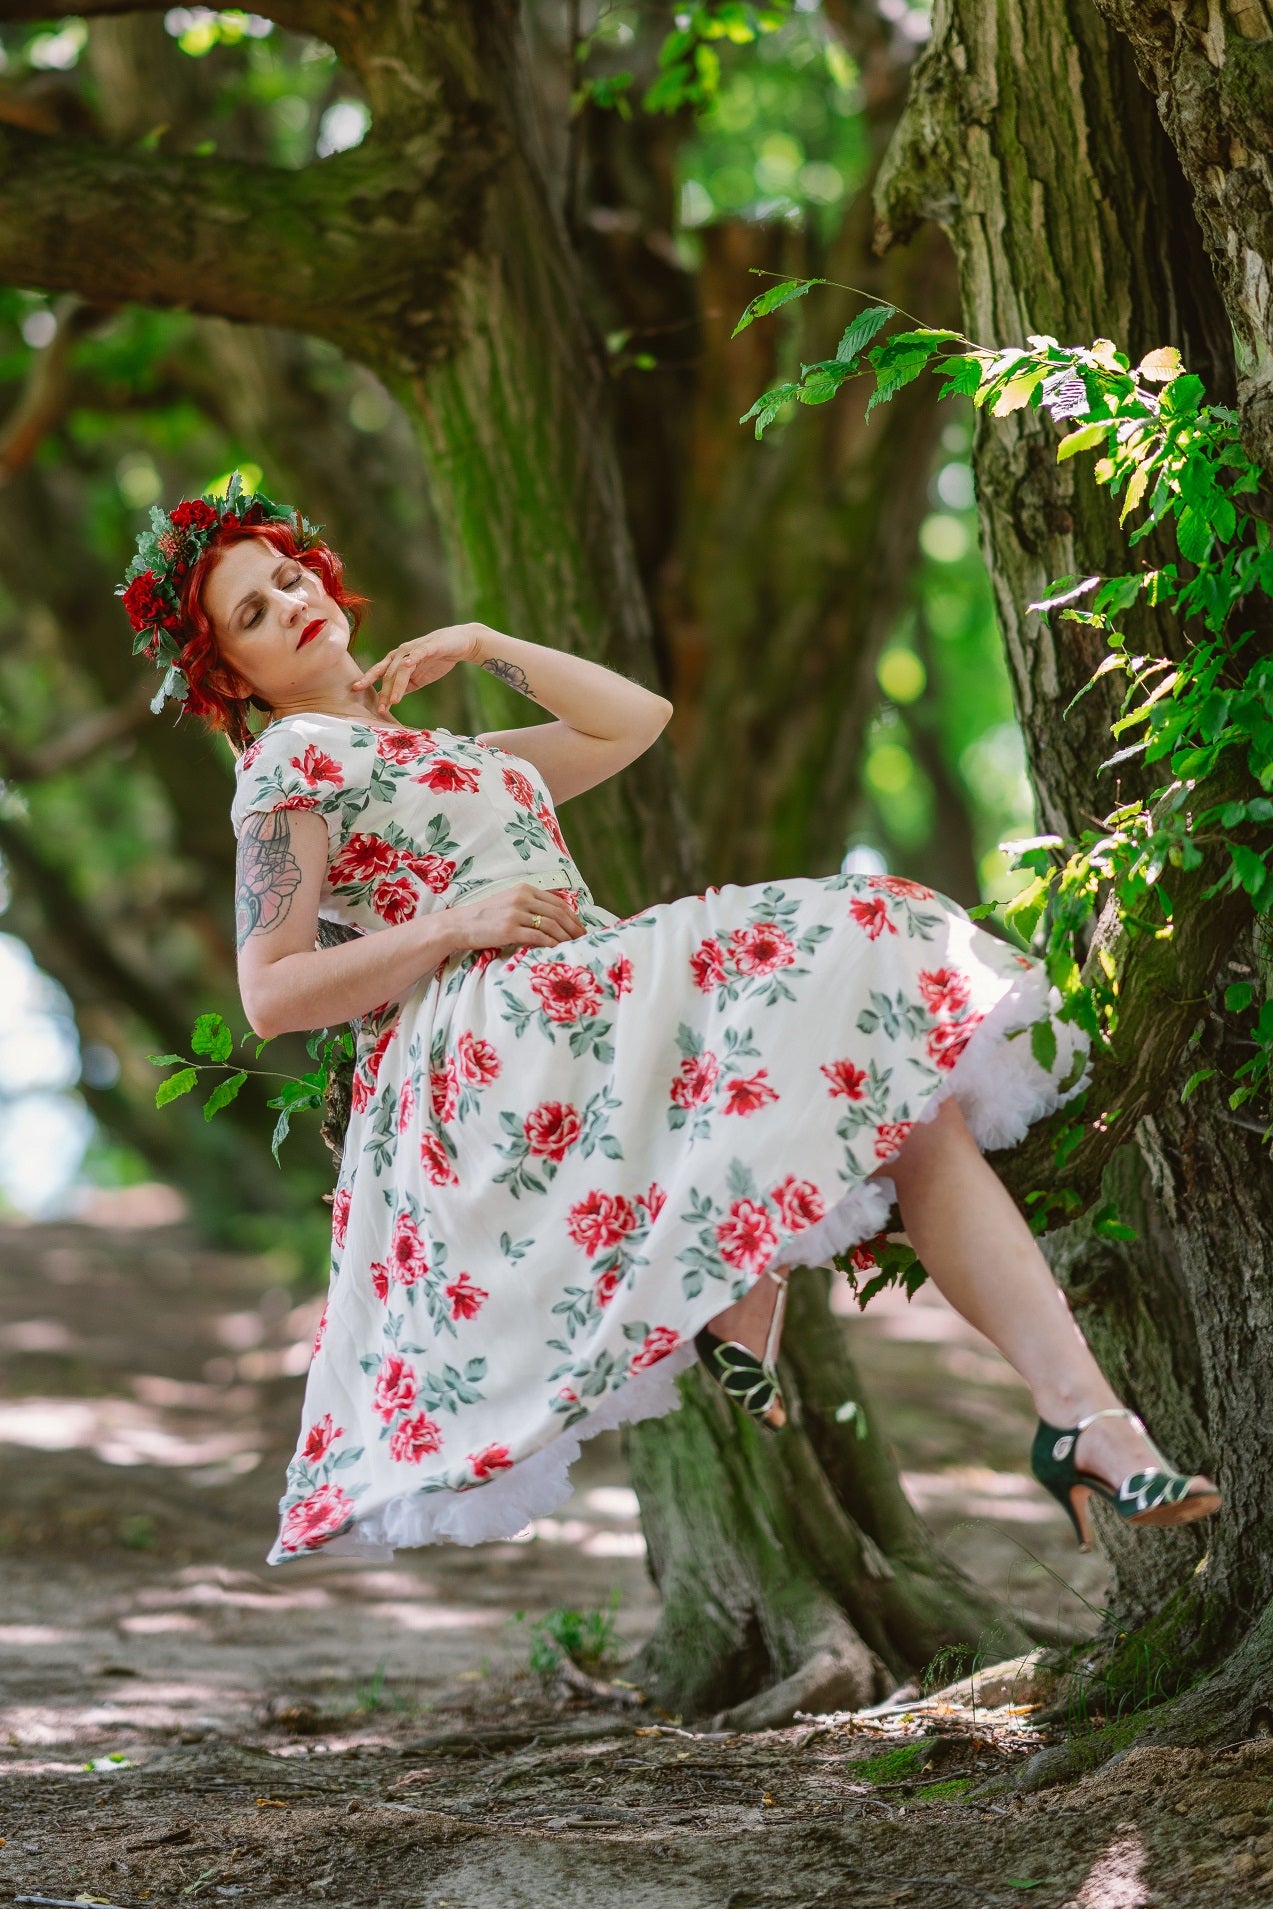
{"type": "Point", "coordinates": [436, 1161]}
{"type": "Point", "coordinates": [406, 1106]}
{"type": "Point", "coordinates": [321, 1328]}
{"type": "Point", "coordinates": [298, 802]}
{"type": "Point", "coordinates": [761, 948]}
{"type": "Point", "coordinates": [619, 975]}
{"type": "Point", "coordinates": [364, 858]}
{"type": "Point", "coordinates": [599, 1221]}
{"type": "Point", "coordinates": [395, 901]}
{"type": "Point", "coordinates": [449, 778]}
{"type": "Point", "coordinates": [250, 755]}
{"type": "Point", "coordinates": [654, 1201]}
{"type": "Point", "coordinates": [693, 1082]}
{"type": "Point", "coordinates": [399, 745]}
{"type": "Point", "coordinates": [901, 887]}
{"type": "Point", "coordinates": [315, 1518]}
{"type": "Point", "coordinates": [340, 1215]}
{"type": "Point", "coordinates": [798, 1202]}
{"type": "Point", "coordinates": [873, 916]}
{"type": "Point", "coordinates": [408, 1259]}
{"type": "Point", "coordinates": [492, 1459]}
{"type": "Point", "coordinates": [520, 788]}
{"type": "Point", "coordinates": [478, 1060]}
{"type": "Point", "coordinates": [889, 1137]}
{"type": "Point", "coordinates": [414, 1439]}
{"type": "Point", "coordinates": [566, 993]}
{"type": "Point", "coordinates": [658, 1342]}
{"type": "Point", "coordinates": [395, 1388]}
{"type": "Point", "coordinates": [320, 1438]}
{"type": "Point", "coordinates": [317, 766]}
{"type": "Point", "coordinates": [747, 1236]}
{"type": "Point", "coordinates": [845, 1079]}
{"type": "Point", "coordinates": [552, 1128]}
{"type": "Point", "coordinates": [435, 871]}
{"type": "Point", "coordinates": [444, 1090]}
{"type": "Point", "coordinates": [466, 1299]}
{"type": "Point", "coordinates": [707, 965]}
{"type": "Point", "coordinates": [945, 990]}
{"type": "Point", "coordinates": [747, 1095]}
{"type": "Point", "coordinates": [548, 822]}
{"type": "Point", "coordinates": [607, 1285]}
{"type": "Point", "coordinates": [947, 1041]}
{"type": "Point", "coordinates": [380, 1280]}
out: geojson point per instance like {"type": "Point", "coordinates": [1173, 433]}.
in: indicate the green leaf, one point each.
{"type": "Point", "coordinates": [776, 296]}
{"type": "Point", "coordinates": [1086, 438]}
{"type": "Point", "coordinates": [1016, 394]}
{"type": "Point", "coordinates": [175, 1086]}
{"type": "Point", "coordinates": [1195, 1081]}
{"type": "Point", "coordinates": [222, 1094]}
{"type": "Point", "coordinates": [212, 1037]}
{"type": "Point", "coordinates": [862, 330]}
{"type": "Point", "coordinates": [767, 407]}
{"type": "Point", "coordinates": [1043, 1044]}
{"type": "Point", "coordinates": [1249, 867]}
{"type": "Point", "coordinates": [1024, 910]}
{"type": "Point", "coordinates": [167, 1060]}
{"type": "Point", "coordinates": [281, 1126]}
{"type": "Point", "coordinates": [1239, 996]}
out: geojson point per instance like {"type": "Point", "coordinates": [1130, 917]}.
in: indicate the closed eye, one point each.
{"type": "Point", "coordinates": [289, 584]}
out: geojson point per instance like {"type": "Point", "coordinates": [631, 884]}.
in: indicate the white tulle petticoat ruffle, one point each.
{"type": "Point", "coordinates": [1001, 1090]}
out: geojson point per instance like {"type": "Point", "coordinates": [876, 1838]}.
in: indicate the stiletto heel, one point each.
{"type": "Point", "coordinates": [747, 1380]}
{"type": "Point", "coordinates": [1156, 1496]}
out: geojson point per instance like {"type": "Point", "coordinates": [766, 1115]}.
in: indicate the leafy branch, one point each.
{"type": "Point", "coordinates": [212, 1041]}
{"type": "Point", "coordinates": [1207, 716]}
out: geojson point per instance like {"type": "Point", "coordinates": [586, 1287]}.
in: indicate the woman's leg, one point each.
{"type": "Point", "coordinates": [983, 1258]}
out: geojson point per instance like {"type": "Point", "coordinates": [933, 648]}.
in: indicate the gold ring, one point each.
{"type": "Point", "coordinates": [535, 920]}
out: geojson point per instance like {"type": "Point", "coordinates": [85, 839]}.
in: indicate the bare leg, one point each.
{"type": "Point", "coordinates": [747, 1320]}
{"type": "Point", "coordinates": [983, 1258]}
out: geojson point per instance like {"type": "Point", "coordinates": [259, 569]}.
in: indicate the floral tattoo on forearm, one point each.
{"type": "Point", "coordinates": [268, 875]}
{"type": "Point", "coordinates": [512, 674]}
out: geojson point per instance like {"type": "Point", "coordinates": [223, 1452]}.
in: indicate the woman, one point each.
{"type": "Point", "coordinates": [582, 1147]}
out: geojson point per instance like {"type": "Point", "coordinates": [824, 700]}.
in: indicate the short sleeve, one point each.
{"type": "Point", "coordinates": [300, 764]}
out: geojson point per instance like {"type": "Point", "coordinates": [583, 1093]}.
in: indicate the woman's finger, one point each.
{"type": "Point", "coordinates": [370, 674]}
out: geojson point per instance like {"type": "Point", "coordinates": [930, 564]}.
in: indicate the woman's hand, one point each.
{"type": "Point", "coordinates": [507, 919]}
{"type": "Point", "coordinates": [423, 660]}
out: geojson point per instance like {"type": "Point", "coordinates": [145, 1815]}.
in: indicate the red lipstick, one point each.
{"type": "Point", "coordinates": [311, 630]}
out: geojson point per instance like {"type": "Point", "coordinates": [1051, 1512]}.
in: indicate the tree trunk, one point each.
{"type": "Point", "coordinates": [1062, 198]}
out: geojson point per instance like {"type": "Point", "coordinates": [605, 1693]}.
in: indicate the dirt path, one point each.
{"type": "Point", "coordinates": [269, 1727]}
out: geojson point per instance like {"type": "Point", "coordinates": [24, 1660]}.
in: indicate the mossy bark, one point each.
{"type": "Point", "coordinates": [1063, 199]}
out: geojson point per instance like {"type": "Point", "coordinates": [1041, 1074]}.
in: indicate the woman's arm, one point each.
{"type": "Point", "coordinates": [604, 722]}
{"type": "Point", "coordinates": [286, 985]}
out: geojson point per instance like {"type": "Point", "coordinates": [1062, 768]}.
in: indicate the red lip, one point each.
{"type": "Point", "coordinates": [311, 630]}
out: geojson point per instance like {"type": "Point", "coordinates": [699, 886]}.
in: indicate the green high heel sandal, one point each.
{"type": "Point", "coordinates": [1159, 1496]}
{"type": "Point", "coordinates": [747, 1380]}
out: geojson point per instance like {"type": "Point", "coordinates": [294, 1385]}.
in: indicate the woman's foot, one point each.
{"type": "Point", "coordinates": [739, 1347]}
{"type": "Point", "coordinates": [1107, 1450]}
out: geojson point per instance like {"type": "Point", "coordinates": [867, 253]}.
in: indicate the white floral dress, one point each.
{"type": "Point", "coordinates": [562, 1163]}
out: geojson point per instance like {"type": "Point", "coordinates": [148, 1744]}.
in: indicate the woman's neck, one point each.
{"type": "Point", "coordinates": [357, 707]}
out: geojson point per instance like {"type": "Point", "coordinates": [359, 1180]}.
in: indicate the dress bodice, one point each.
{"type": "Point", "coordinates": [417, 819]}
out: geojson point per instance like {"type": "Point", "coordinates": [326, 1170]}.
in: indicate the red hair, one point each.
{"type": "Point", "coordinates": [215, 689]}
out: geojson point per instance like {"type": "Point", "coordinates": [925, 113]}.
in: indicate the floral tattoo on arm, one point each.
{"type": "Point", "coordinates": [512, 674]}
{"type": "Point", "coordinates": [268, 875]}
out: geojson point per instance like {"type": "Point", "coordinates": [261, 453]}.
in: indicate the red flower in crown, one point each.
{"type": "Point", "coordinates": [146, 607]}
{"type": "Point", "coordinates": [195, 515]}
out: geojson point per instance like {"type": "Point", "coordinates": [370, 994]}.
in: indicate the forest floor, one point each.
{"type": "Point", "coordinates": [178, 1720]}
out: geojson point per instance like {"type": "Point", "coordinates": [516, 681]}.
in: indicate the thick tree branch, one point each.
{"type": "Point", "coordinates": [300, 249]}
{"type": "Point", "coordinates": [1210, 71]}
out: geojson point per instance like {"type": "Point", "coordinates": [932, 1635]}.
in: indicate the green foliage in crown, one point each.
{"type": "Point", "coordinates": [165, 556]}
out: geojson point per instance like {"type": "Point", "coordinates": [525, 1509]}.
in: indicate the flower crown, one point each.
{"type": "Point", "coordinates": [165, 555]}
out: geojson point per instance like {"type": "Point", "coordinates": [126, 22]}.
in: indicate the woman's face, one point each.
{"type": "Point", "coordinates": [275, 624]}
